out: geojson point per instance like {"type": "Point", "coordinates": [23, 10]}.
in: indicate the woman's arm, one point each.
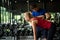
{"type": "Point", "coordinates": [34, 29]}
{"type": "Point", "coordinates": [41, 16]}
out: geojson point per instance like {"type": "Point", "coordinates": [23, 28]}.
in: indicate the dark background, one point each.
{"type": "Point", "coordinates": [21, 5]}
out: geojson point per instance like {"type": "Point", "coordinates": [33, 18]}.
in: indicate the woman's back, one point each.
{"type": "Point", "coordinates": [43, 23]}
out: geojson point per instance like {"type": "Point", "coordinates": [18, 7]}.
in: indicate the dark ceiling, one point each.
{"type": "Point", "coordinates": [36, 0]}
{"type": "Point", "coordinates": [18, 4]}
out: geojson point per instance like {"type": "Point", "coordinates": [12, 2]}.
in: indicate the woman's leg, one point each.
{"type": "Point", "coordinates": [41, 33]}
{"type": "Point", "coordinates": [38, 32]}
{"type": "Point", "coordinates": [51, 32]}
{"type": "Point", "coordinates": [44, 34]}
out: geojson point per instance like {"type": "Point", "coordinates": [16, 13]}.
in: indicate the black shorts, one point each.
{"type": "Point", "coordinates": [41, 32]}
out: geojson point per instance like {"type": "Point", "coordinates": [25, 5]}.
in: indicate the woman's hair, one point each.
{"type": "Point", "coordinates": [28, 14]}
{"type": "Point", "coordinates": [33, 6]}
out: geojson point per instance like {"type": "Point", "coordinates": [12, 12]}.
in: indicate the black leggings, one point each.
{"type": "Point", "coordinates": [51, 32]}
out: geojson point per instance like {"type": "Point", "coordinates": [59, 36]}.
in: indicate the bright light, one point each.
{"type": "Point", "coordinates": [39, 1]}
{"type": "Point", "coordinates": [51, 0]}
{"type": "Point", "coordinates": [15, 1]}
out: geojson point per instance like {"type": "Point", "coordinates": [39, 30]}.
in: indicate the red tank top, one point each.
{"type": "Point", "coordinates": [43, 23]}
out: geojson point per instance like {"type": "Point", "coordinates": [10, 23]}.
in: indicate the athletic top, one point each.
{"type": "Point", "coordinates": [38, 13]}
{"type": "Point", "coordinates": [43, 23]}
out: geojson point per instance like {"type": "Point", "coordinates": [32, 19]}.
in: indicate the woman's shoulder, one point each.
{"type": "Point", "coordinates": [34, 18]}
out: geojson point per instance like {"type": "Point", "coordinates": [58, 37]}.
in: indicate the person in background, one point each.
{"type": "Point", "coordinates": [42, 13]}
{"type": "Point", "coordinates": [41, 23]}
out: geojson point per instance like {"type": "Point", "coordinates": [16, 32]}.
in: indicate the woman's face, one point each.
{"type": "Point", "coordinates": [26, 17]}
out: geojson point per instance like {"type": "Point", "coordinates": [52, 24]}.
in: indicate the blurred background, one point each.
{"type": "Point", "coordinates": [12, 23]}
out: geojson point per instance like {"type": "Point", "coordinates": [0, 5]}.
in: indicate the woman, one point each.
{"type": "Point", "coordinates": [40, 22]}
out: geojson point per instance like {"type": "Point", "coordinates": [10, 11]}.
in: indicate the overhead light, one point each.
{"type": "Point", "coordinates": [27, 1]}
{"type": "Point", "coordinates": [39, 1]}
{"type": "Point", "coordinates": [51, 0]}
{"type": "Point", "coordinates": [15, 1]}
